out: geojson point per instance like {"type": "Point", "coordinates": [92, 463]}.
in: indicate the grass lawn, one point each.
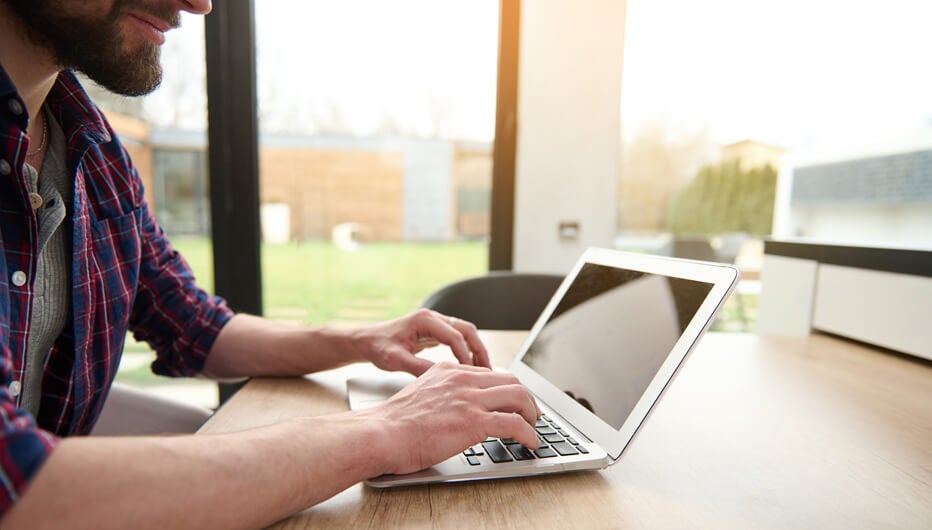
{"type": "Point", "coordinates": [315, 282]}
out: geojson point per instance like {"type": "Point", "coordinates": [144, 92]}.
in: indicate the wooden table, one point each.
{"type": "Point", "coordinates": [757, 432]}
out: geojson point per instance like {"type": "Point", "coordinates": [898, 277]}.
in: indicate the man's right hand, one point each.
{"type": "Point", "coordinates": [450, 408]}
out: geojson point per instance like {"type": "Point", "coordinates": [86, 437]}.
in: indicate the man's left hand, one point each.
{"type": "Point", "coordinates": [393, 345]}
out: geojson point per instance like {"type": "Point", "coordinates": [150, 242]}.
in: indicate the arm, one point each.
{"type": "Point", "coordinates": [256, 477]}
{"type": "Point", "coordinates": [249, 345]}
{"type": "Point", "coordinates": [195, 333]}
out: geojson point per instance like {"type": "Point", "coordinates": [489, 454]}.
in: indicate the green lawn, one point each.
{"type": "Point", "coordinates": [317, 283]}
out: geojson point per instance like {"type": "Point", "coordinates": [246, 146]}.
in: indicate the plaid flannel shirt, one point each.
{"type": "Point", "coordinates": [125, 275]}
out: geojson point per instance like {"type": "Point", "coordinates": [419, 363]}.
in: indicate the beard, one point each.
{"type": "Point", "coordinates": [96, 45]}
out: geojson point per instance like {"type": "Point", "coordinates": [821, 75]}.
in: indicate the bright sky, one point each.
{"type": "Point", "coordinates": [803, 74]}
{"type": "Point", "coordinates": [811, 75]}
{"type": "Point", "coordinates": [418, 63]}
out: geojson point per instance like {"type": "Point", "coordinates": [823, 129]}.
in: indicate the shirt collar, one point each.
{"type": "Point", "coordinates": [70, 103]}
{"type": "Point", "coordinates": [77, 112]}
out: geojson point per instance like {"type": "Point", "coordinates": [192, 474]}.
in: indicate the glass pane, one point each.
{"type": "Point", "coordinates": [744, 120]}
{"type": "Point", "coordinates": [165, 133]}
{"type": "Point", "coordinates": [376, 123]}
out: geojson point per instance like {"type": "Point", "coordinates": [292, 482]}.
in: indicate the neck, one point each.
{"type": "Point", "coordinates": [32, 68]}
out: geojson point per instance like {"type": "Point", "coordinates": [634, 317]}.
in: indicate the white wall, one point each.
{"type": "Point", "coordinates": [569, 129]}
{"type": "Point", "coordinates": [907, 225]}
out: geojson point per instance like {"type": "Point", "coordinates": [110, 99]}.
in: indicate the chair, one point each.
{"type": "Point", "coordinates": [499, 300]}
{"type": "Point", "coordinates": [130, 412]}
{"type": "Point", "coordinates": [699, 248]}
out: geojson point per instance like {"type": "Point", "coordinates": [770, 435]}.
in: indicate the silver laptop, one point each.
{"type": "Point", "coordinates": [599, 358]}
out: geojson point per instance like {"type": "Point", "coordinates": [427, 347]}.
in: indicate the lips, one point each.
{"type": "Point", "coordinates": [152, 27]}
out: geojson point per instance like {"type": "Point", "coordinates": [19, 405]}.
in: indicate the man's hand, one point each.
{"type": "Point", "coordinates": [448, 409]}
{"type": "Point", "coordinates": [393, 345]}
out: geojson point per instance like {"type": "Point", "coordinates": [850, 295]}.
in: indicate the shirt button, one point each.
{"type": "Point", "coordinates": [19, 278]}
{"type": "Point", "coordinates": [5, 168]}
{"type": "Point", "coordinates": [15, 106]}
{"type": "Point", "coordinates": [15, 388]}
{"type": "Point", "coordinates": [35, 200]}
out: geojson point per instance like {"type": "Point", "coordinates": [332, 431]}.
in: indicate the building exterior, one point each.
{"type": "Point", "coordinates": [884, 199]}
{"type": "Point", "coordinates": [385, 189]}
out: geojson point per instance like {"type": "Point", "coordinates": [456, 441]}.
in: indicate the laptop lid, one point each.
{"type": "Point", "coordinates": [614, 336]}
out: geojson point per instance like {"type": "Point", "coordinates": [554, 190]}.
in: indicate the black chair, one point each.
{"type": "Point", "coordinates": [699, 248]}
{"type": "Point", "coordinates": [498, 300]}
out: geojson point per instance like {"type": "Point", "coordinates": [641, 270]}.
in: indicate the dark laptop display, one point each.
{"type": "Point", "coordinates": [650, 312]}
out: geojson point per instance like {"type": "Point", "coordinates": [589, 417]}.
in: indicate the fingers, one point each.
{"type": "Point", "coordinates": [456, 406]}
{"type": "Point", "coordinates": [505, 425]}
{"type": "Point", "coordinates": [412, 364]}
{"type": "Point", "coordinates": [509, 398]}
{"type": "Point", "coordinates": [480, 356]}
{"type": "Point", "coordinates": [462, 337]}
{"type": "Point", "coordinates": [505, 403]}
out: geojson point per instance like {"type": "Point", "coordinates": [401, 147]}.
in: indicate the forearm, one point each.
{"type": "Point", "coordinates": [241, 480]}
{"type": "Point", "coordinates": [253, 346]}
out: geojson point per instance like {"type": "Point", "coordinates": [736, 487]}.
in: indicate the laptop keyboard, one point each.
{"type": "Point", "coordinates": [554, 441]}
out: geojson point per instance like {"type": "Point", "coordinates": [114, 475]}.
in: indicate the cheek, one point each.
{"type": "Point", "coordinates": [85, 9]}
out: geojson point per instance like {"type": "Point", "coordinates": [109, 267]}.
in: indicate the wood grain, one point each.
{"type": "Point", "coordinates": [757, 432]}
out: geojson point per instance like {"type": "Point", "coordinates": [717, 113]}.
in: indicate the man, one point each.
{"type": "Point", "coordinates": [83, 261]}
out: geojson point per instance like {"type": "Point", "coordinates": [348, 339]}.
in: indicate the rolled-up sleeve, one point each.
{"type": "Point", "coordinates": [175, 316]}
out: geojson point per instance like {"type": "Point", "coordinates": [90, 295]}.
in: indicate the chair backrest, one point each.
{"type": "Point", "coordinates": [699, 248]}
{"type": "Point", "coordinates": [498, 300]}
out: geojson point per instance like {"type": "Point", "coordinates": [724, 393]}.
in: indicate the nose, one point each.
{"type": "Point", "coordinates": [198, 7]}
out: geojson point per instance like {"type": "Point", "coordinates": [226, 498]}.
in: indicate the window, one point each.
{"type": "Point", "coordinates": [376, 126]}
{"type": "Point", "coordinates": [745, 120]}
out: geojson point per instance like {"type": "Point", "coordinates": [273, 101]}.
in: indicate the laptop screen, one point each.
{"type": "Point", "coordinates": [609, 335]}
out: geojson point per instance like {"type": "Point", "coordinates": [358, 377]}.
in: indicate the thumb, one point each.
{"type": "Point", "coordinates": [412, 364]}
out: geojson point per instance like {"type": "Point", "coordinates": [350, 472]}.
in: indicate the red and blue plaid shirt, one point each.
{"type": "Point", "coordinates": [125, 276]}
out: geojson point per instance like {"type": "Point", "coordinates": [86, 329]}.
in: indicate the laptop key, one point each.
{"type": "Point", "coordinates": [553, 438]}
{"type": "Point", "coordinates": [545, 452]}
{"type": "Point", "coordinates": [520, 452]}
{"type": "Point", "coordinates": [545, 430]}
{"type": "Point", "coordinates": [497, 452]}
{"type": "Point", "coordinates": [564, 448]}
{"type": "Point", "coordinates": [509, 441]}
{"type": "Point", "coordinates": [572, 440]}
{"type": "Point", "coordinates": [473, 461]}
{"type": "Point", "coordinates": [469, 452]}
{"type": "Point", "coordinates": [477, 450]}
{"type": "Point", "coordinates": [582, 449]}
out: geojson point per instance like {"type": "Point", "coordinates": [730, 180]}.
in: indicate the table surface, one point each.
{"type": "Point", "coordinates": [756, 432]}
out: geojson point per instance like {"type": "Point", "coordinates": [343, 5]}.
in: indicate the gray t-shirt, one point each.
{"type": "Point", "coordinates": [51, 302]}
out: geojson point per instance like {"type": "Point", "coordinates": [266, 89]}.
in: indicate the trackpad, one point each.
{"type": "Point", "coordinates": [371, 391]}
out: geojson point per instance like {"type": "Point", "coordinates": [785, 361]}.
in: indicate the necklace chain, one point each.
{"type": "Point", "coordinates": [45, 136]}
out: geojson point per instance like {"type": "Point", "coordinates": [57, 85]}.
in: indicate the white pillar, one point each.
{"type": "Point", "coordinates": [569, 130]}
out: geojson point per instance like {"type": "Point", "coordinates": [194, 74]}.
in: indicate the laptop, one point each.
{"type": "Point", "coordinates": [603, 352]}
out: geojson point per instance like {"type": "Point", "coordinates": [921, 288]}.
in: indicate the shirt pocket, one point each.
{"type": "Point", "coordinates": [115, 253]}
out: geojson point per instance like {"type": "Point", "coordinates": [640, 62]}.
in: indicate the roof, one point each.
{"type": "Point", "coordinates": [892, 179]}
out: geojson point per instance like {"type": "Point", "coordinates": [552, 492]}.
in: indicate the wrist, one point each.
{"type": "Point", "coordinates": [360, 446]}
{"type": "Point", "coordinates": [350, 343]}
